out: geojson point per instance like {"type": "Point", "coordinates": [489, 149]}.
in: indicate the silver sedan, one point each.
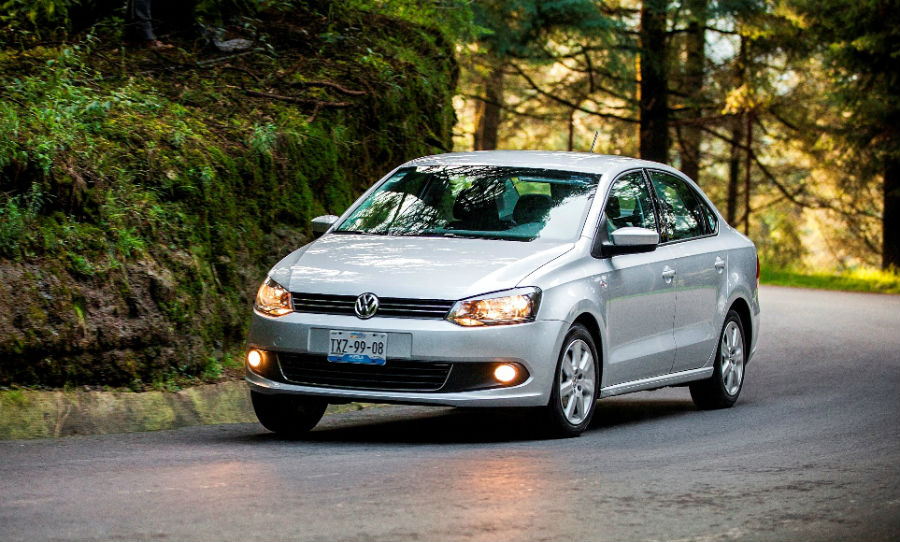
{"type": "Point", "coordinates": [508, 279]}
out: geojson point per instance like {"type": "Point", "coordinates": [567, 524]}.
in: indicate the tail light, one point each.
{"type": "Point", "coordinates": [757, 271]}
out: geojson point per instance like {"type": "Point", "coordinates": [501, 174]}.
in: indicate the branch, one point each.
{"type": "Point", "coordinates": [723, 31]}
{"type": "Point", "coordinates": [590, 67]}
{"type": "Point", "coordinates": [699, 121]}
{"type": "Point", "coordinates": [329, 84]}
{"type": "Point", "coordinates": [508, 109]}
{"type": "Point", "coordinates": [590, 71]}
{"type": "Point", "coordinates": [790, 196]}
{"type": "Point", "coordinates": [216, 60]}
{"type": "Point", "coordinates": [780, 118]}
{"type": "Point", "coordinates": [551, 55]}
{"type": "Point", "coordinates": [305, 101]}
{"type": "Point", "coordinates": [568, 103]}
{"type": "Point", "coordinates": [244, 71]}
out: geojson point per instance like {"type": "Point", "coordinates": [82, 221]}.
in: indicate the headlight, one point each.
{"type": "Point", "coordinates": [272, 299]}
{"type": "Point", "coordinates": [501, 308]}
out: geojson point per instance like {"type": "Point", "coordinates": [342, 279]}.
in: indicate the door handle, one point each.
{"type": "Point", "coordinates": [720, 264]}
{"type": "Point", "coordinates": [668, 273]}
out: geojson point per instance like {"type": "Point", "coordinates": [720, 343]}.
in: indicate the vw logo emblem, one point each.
{"type": "Point", "coordinates": [366, 305]}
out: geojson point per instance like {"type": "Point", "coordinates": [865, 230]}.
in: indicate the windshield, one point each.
{"type": "Point", "coordinates": [476, 201]}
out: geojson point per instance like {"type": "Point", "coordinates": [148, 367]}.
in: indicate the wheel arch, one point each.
{"type": "Point", "coordinates": [590, 322]}
{"type": "Point", "coordinates": [742, 308]}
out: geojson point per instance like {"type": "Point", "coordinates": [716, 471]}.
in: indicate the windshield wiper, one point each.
{"type": "Point", "coordinates": [435, 233]}
{"type": "Point", "coordinates": [473, 235]}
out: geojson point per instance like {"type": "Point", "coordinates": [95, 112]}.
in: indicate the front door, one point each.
{"type": "Point", "coordinates": [639, 292]}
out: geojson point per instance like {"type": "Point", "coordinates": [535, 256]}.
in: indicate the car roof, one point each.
{"type": "Point", "coordinates": [566, 161]}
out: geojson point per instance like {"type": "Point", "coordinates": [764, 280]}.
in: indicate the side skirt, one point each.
{"type": "Point", "coordinates": [658, 382]}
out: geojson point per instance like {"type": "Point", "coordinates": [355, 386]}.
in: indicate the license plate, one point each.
{"type": "Point", "coordinates": [357, 347]}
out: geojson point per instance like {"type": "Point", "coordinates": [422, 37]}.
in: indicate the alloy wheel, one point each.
{"type": "Point", "coordinates": [577, 380]}
{"type": "Point", "coordinates": [732, 358]}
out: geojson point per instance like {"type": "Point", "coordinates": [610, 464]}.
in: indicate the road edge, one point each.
{"type": "Point", "coordinates": [30, 414]}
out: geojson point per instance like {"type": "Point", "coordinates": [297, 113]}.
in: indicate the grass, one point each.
{"type": "Point", "coordinates": [855, 280]}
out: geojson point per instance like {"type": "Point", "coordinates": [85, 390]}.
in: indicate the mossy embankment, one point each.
{"type": "Point", "coordinates": [26, 413]}
{"type": "Point", "coordinates": [143, 195]}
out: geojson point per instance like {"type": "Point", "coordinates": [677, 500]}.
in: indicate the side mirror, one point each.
{"type": "Point", "coordinates": [631, 240]}
{"type": "Point", "coordinates": [635, 237]}
{"type": "Point", "coordinates": [321, 224]}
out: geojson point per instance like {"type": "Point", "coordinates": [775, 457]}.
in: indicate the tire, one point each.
{"type": "Point", "coordinates": [575, 386]}
{"type": "Point", "coordinates": [288, 415]}
{"type": "Point", "coordinates": [721, 390]}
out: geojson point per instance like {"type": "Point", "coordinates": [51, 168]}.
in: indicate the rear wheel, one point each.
{"type": "Point", "coordinates": [722, 389]}
{"type": "Point", "coordinates": [288, 415]}
{"type": "Point", "coordinates": [575, 386]}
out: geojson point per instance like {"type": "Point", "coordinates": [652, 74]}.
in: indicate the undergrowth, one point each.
{"type": "Point", "coordinates": [861, 279]}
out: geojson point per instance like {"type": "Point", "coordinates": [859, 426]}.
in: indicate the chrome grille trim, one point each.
{"type": "Point", "coordinates": [394, 307]}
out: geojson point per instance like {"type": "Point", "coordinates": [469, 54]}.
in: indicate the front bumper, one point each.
{"type": "Point", "coordinates": [533, 345]}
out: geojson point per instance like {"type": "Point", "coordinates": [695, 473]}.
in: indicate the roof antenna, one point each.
{"type": "Point", "coordinates": [596, 133]}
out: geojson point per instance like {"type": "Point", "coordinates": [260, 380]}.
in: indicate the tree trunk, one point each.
{"type": "Point", "coordinates": [734, 169]}
{"type": "Point", "coordinates": [737, 137]}
{"type": "Point", "coordinates": [695, 67]}
{"type": "Point", "coordinates": [487, 117]}
{"type": "Point", "coordinates": [571, 146]}
{"type": "Point", "coordinates": [890, 236]}
{"type": "Point", "coordinates": [654, 106]}
{"type": "Point", "coordinates": [748, 150]}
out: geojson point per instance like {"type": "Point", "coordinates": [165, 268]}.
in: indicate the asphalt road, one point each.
{"type": "Point", "coordinates": [810, 452]}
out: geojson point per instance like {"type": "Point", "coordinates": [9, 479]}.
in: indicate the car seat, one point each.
{"type": "Point", "coordinates": [532, 208]}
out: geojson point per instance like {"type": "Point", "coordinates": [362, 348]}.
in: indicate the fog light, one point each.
{"type": "Point", "coordinates": [254, 359]}
{"type": "Point", "coordinates": [505, 373]}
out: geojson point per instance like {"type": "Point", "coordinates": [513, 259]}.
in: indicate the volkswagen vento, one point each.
{"type": "Point", "coordinates": [508, 279]}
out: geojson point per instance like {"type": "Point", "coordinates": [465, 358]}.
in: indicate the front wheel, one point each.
{"type": "Point", "coordinates": [722, 389]}
{"type": "Point", "coordinates": [575, 386]}
{"type": "Point", "coordinates": [288, 415]}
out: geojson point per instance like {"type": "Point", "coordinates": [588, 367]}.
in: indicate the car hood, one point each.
{"type": "Point", "coordinates": [412, 267]}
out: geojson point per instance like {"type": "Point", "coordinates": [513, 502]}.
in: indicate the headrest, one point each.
{"type": "Point", "coordinates": [613, 210]}
{"type": "Point", "coordinates": [531, 208]}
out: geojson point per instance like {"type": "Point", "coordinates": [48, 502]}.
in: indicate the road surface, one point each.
{"type": "Point", "coordinates": [810, 452]}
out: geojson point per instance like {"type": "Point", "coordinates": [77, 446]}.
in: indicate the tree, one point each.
{"type": "Point", "coordinates": [860, 42]}
{"type": "Point", "coordinates": [518, 30]}
{"type": "Point", "coordinates": [690, 136]}
{"type": "Point", "coordinates": [490, 108]}
{"type": "Point", "coordinates": [654, 85]}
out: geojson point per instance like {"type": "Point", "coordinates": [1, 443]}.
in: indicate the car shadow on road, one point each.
{"type": "Point", "coordinates": [417, 425]}
{"type": "Point", "coordinates": [624, 412]}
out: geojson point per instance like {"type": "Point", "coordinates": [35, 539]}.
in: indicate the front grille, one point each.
{"type": "Point", "coordinates": [323, 304]}
{"type": "Point", "coordinates": [396, 307]}
{"type": "Point", "coordinates": [403, 375]}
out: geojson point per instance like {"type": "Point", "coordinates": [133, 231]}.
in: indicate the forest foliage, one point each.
{"type": "Point", "coordinates": [785, 111]}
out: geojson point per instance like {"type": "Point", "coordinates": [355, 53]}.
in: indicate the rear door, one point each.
{"type": "Point", "coordinates": [690, 229]}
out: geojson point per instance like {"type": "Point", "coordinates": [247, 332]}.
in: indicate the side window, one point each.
{"type": "Point", "coordinates": [711, 222]}
{"type": "Point", "coordinates": [684, 215]}
{"type": "Point", "coordinates": [629, 204]}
